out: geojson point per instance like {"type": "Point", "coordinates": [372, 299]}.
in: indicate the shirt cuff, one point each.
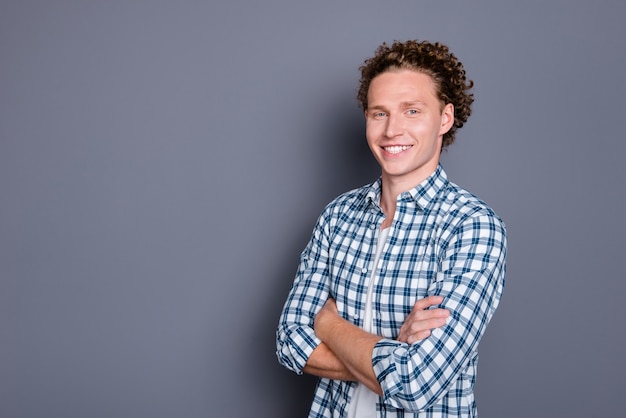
{"type": "Point", "coordinates": [301, 343]}
{"type": "Point", "coordinates": [384, 362]}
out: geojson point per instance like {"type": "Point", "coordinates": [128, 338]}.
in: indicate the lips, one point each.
{"type": "Point", "coordinates": [396, 149]}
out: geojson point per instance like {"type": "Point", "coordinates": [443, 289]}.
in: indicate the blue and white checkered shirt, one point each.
{"type": "Point", "coordinates": [444, 241]}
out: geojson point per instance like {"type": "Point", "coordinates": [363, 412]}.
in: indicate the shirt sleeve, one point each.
{"type": "Point", "coordinates": [471, 279]}
{"type": "Point", "coordinates": [295, 337]}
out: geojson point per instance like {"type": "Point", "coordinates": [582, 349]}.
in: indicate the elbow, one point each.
{"type": "Point", "coordinates": [412, 401]}
{"type": "Point", "coordinates": [283, 353]}
{"type": "Point", "coordinates": [292, 351]}
{"type": "Point", "coordinates": [415, 392]}
{"type": "Point", "coordinates": [287, 362]}
{"type": "Point", "coordinates": [411, 385]}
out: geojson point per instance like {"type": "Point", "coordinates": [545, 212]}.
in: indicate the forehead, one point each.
{"type": "Point", "coordinates": [402, 85]}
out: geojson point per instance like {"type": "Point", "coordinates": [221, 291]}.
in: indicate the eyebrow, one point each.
{"type": "Point", "coordinates": [404, 105]}
{"type": "Point", "coordinates": [412, 104]}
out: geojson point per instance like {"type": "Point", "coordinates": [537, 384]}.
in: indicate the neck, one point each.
{"type": "Point", "coordinates": [392, 187]}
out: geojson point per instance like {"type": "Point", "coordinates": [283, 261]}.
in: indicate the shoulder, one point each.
{"type": "Point", "coordinates": [343, 210]}
{"type": "Point", "coordinates": [350, 202]}
{"type": "Point", "coordinates": [455, 198]}
{"type": "Point", "coordinates": [459, 208]}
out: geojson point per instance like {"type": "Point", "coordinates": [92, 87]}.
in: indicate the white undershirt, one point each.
{"type": "Point", "coordinates": [363, 403]}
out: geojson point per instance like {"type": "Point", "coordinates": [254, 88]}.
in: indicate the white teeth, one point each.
{"type": "Point", "coordinates": [396, 149]}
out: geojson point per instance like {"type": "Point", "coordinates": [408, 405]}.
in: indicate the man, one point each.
{"type": "Point", "coordinates": [401, 277]}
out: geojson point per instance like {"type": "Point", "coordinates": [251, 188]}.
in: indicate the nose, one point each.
{"type": "Point", "coordinates": [395, 126]}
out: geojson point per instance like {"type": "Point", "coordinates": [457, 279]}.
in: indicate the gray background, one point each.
{"type": "Point", "coordinates": [162, 165]}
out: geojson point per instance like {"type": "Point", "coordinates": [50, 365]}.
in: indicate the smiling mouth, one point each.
{"type": "Point", "coordinates": [396, 149]}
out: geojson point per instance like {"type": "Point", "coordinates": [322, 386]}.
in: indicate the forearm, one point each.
{"type": "Point", "coordinates": [351, 346]}
{"type": "Point", "coordinates": [445, 361]}
{"type": "Point", "coordinates": [324, 363]}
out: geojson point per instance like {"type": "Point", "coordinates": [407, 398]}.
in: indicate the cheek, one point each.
{"type": "Point", "coordinates": [371, 146]}
{"type": "Point", "coordinates": [373, 131]}
{"type": "Point", "coordinates": [424, 130]}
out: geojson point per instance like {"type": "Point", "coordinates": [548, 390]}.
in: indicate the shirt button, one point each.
{"type": "Point", "coordinates": [364, 270]}
{"type": "Point", "coordinates": [355, 316]}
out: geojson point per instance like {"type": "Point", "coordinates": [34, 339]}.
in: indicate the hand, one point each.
{"type": "Point", "coordinates": [421, 321]}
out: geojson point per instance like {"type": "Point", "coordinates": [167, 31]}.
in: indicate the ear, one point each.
{"type": "Point", "coordinates": [447, 118]}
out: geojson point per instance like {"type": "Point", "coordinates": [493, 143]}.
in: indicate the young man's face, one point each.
{"type": "Point", "coordinates": [405, 124]}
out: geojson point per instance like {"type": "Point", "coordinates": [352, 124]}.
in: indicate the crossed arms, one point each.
{"type": "Point", "coordinates": [346, 350]}
{"type": "Point", "coordinates": [433, 348]}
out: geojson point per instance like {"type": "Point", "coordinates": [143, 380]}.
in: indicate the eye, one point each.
{"type": "Point", "coordinates": [412, 112]}
{"type": "Point", "coordinates": [379, 115]}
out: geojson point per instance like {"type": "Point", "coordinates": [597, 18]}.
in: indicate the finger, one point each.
{"type": "Point", "coordinates": [422, 335]}
{"type": "Point", "coordinates": [427, 302]}
{"type": "Point", "coordinates": [428, 324]}
{"type": "Point", "coordinates": [411, 328]}
{"type": "Point", "coordinates": [422, 330]}
{"type": "Point", "coordinates": [420, 315]}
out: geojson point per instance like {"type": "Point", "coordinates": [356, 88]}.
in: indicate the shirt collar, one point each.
{"type": "Point", "coordinates": [372, 193]}
{"type": "Point", "coordinates": [422, 194]}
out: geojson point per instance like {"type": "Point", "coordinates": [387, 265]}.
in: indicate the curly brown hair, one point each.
{"type": "Point", "coordinates": [433, 59]}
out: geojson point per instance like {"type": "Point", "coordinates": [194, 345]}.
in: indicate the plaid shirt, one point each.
{"type": "Point", "coordinates": [444, 241]}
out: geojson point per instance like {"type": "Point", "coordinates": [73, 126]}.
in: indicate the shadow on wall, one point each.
{"type": "Point", "coordinates": [345, 162]}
